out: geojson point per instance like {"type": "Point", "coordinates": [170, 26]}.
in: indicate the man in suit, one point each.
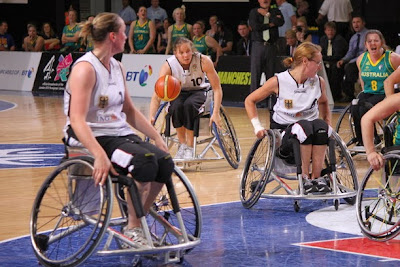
{"type": "Point", "coordinates": [243, 46]}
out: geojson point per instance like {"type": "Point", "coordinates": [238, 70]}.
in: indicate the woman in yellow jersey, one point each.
{"type": "Point", "coordinates": [142, 34]}
{"type": "Point", "coordinates": [374, 66]}
{"type": "Point", "coordinates": [205, 44]}
{"type": "Point", "coordinates": [179, 29]}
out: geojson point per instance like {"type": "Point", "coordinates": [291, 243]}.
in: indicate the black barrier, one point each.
{"type": "Point", "coordinates": [53, 70]}
{"type": "Point", "coordinates": [234, 73]}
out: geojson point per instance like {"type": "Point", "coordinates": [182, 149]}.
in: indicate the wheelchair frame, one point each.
{"type": "Point", "coordinates": [70, 216]}
{"type": "Point", "coordinates": [261, 177]}
{"type": "Point", "coordinates": [225, 138]}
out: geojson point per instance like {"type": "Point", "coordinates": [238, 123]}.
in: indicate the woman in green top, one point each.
{"type": "Point", "coordinates": [70, 36]}
{"type": "Point", "coordinates": [205, 44]}
{"type": "Point", "coordinates": [179, 29]}
{"type": "Point", "coordinates": [142, 34]}
{"type": "Point", "coordinates": [374, 66]}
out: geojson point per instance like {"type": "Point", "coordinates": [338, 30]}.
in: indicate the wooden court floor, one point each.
{"type": "Point", "coordinates": [40, 119]}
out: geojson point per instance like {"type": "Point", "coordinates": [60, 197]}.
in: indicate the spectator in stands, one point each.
{"type": "Point", "coordinates": [243, 46]}
{"type": "Point", "coordinates": [156, 13]}
{"type": "Point", "coordinates": [338, 11]}
{"type": "Point", "coordinates": [334, 47]}
{"type": "Point", "coordinates": [289, 17]}
{"type": "Point", "coordinates": [213, 26]}
{"type": "Point", "coordinates": [87, 42]}
{"type": "Point", "coordinates": [179, 29]}
{"type": "Point", "coordinates": [51, 41]}
{"type": "Point", "coordinates": [162, 36]}
{"type": "Point", "coordinates": [6, 40]}
{"type": "Point", "coordinates": [33, 42]}
{"type": "Point", "coordinates": [128, 15]}
{"type": "Point", "coordinates": [224, 38]}
{"type": "Point", "coordinates": [356, 48]}
{"type": "Point", "coordinates": [302, 8]}
{"type": "Point", "coordinates": [205, 44]}
{"type": "Point", "coordinates": [142, 34]}
{"type": "Point", "coordinates": [302, 33]}
{"type": "Point", "coordinates": [70, 36]}
{"type": "Point", "coordinates": [291, 42]}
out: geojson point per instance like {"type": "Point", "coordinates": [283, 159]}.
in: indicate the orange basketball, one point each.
{"type": "Point", "coordinates": [167, 87]}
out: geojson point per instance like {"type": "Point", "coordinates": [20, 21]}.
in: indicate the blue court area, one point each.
{"type": "Point", "coordinates": [270, 234]}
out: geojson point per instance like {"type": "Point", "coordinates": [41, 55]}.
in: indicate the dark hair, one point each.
{"type": "Point", "coordinates": [242, 22]}
{"type": "Point", "coordinates": [330, 24]}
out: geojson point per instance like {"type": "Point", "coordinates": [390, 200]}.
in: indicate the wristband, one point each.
{"type": "Point", "coordinates": [257, 125]}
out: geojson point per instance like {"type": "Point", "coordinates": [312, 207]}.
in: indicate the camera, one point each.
{"type": "Point", "coordinates": [299, 28]}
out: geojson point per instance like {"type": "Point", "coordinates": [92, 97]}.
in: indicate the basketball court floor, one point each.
{"type": "Point", "coordinates": [269, 234]}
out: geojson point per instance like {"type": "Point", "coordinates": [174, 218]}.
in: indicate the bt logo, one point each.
{"type": "Point", "coordinates": [143, 75]}
{"type": "Point", "coordinates": [28, 72]}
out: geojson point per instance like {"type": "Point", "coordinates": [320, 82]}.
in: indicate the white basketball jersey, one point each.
{"type": "Point", "coordinates": [105, 116]}
{"type": "Point", "coordinates": [192, 79]}
{"type": "Point", "coordinates": [296, 101]}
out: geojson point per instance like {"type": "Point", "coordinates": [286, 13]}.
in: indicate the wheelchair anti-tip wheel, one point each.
{"type": "Point", "coordinates": [257, 169]}
{"type": "Point", "coordinates": [228, 140]}
{"type": "Point", "coordinates": [378, 201]}
{"type": "Point", "coordinates": [70, 215]}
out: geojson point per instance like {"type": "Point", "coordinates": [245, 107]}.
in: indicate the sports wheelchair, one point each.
{"type": "Point", "coordinates": [70, 216]}
{"type": "Point", "coordinates": [268, 176]}
{"type": "Point", "coordinates": [206, 138]}
{"type": "Point", "coordinates": [378, 198]}
{"type": "Point", "coordinates": [346, 130]}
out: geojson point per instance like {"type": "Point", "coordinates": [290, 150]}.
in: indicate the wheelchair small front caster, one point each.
{"type": "Point", "coordinates": [336, 203]}
{"type": "Point", "coordinates": [296, 206]}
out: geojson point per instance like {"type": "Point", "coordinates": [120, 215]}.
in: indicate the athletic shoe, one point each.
{"type": "Point", "coordinates": [188, 154]}
{"type": "Point", "coordinates": [308, 186]}
{"type": "Point", "coordinates": [181, 152]}
{"type": "Point", "coordinates": [137, 236]}
{"type": "Point", "coordinates": [322, 184]}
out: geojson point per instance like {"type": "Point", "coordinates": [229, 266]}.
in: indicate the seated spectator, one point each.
{"type": "Point", "coordinates": [334, 47]}
{"type": "Point", "coordinates": [6, 40]}
{"type": "Point", "coordinates": [33, 42]}
{"type": "Point", "coordinates": [156, 13]}
{"type": "Point", "coordinates": [243, 46]}
{"type": "Point", "coordinates": [224, 37]}
{"type": "Point", "coordinates": [142, 34]}
{"type": "Point", "coordinates": [205, 44]}
{"type": "Point", "coordinates": [162, 36]}
{"type": "Point", "coordinates": [51, 41]}
{"type": "Point", "coordinates": [302, 33]}
{"type": "Point", "coordinates": [70, 35]}
{"type": "Point", "coordinates": [213, 24]}
{"type": "Point", "coordinates": [291, 42]}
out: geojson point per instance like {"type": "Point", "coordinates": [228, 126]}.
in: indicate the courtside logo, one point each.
{"type": "Point", "coordinates": [63, 67]}
{"type": "Point", "coordinates": [142, 75]}
{"type": "Point", "coordinates": [30, 155]}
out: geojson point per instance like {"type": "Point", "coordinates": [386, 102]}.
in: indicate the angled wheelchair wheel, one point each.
{"type": "Point", "coordinates": [345, 127]}
{"type": "Point", "coordinates": [346, 173]}
{"type": "Point", "coordinates": [257, 169]}
{"type": "Point", "coordinates": [70, 214]}
{"type": "Point", "coordinates": [160, 123]}
{"type": "Point", "coordinates": [228, 140]}
{"type": "Point", "coordinates": [189, 208]}
{"type": "Point", "coordinates": [378, 201]}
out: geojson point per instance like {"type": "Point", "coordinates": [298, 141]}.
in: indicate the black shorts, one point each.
{"type": "Point", "coordinates": [305, 131]}
{"type": "Point", "coordinates": [145, 161]}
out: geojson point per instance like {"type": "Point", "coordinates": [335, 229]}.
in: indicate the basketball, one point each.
{"type": "Point", "coordinates": [167, 87]}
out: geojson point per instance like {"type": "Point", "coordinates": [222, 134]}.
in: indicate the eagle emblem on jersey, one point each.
{"type": "Point", "coordinates": [288, 103]}
{"type": "Point", "coordinates": [103, 101]}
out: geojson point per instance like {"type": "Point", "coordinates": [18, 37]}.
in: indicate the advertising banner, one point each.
{"type": "Point", "coordinates": [234, 74]}
{"type": "Point", "coordinates": [18, 70]}
{"type": "Point", "coordinates": [142, 72]}
{"type": "Point", "coordinates": [54, 70]}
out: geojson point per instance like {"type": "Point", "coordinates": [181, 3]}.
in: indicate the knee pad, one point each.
{"type": "Point", "coordinates": [165, 168]}
{"type": "Point", "coordinates": [144, 167]}
{"type": "Point", "coordinates": [320, 137]}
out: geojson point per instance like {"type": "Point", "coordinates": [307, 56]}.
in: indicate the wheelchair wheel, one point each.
{"type": "Point", "coordinates": [378, 201]}
{"type": "Point", "coordinates": [345, 127]}
{"type": "Point", "coordinates": [189, 207]}
{"type": "Point", "coordinates": [228, 140]}
{"type": "Point", "coordinates": [257, 169]}
{"type": "Point", "coordinates": [70, 215]}
{"type": "Point", "coordinates": [346, 173]}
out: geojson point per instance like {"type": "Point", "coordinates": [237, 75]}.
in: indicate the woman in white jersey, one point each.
{"type": "Point", "coordinates": [191, 69]}
{"type": "Point", "coordinates": [301, 96]}
{"type": "Point", "coordinates": [100, 114]}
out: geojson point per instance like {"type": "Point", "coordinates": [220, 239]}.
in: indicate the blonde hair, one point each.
{"type": "Point", "coordinates": [306, 49]}
{"type": "Point", "coordinates": [101, 25]}
{"type": "Point", "coordinates": [176, 10]}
